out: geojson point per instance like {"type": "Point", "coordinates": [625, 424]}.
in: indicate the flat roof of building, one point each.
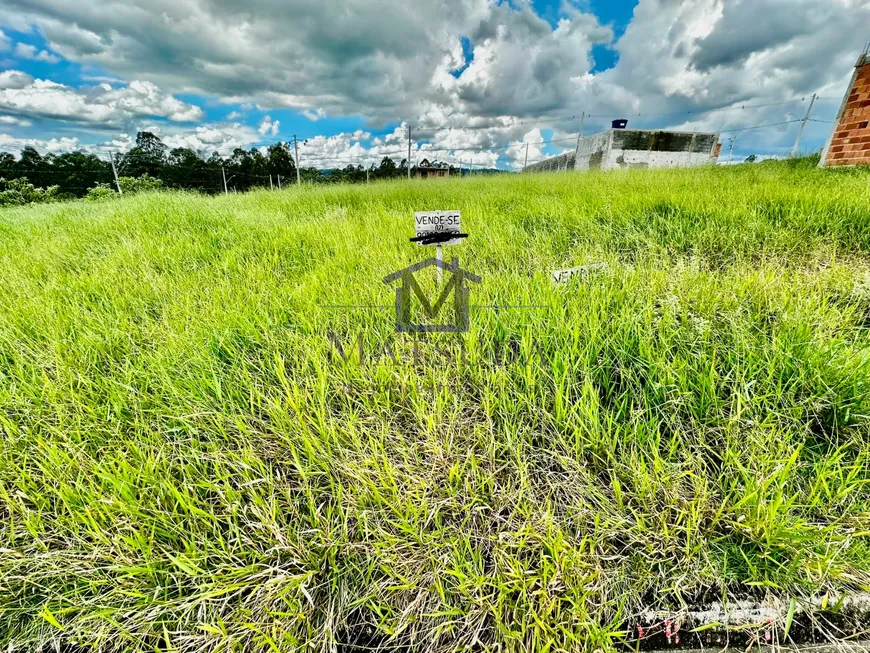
{"type": "Point", "coordinates": [664, 131]}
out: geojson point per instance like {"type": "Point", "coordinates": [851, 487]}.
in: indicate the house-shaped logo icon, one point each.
{"type": "Point", "coordinates": [410, 287]}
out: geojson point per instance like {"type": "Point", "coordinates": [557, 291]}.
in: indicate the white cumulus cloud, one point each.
{"type": "Point", "coordinates": [390, 63]}
{"type": "Point", "coordinates": [26, 51]}
{"type": "Point", "coordinates": [24, 96]}
{"type": "Point", "coordinates": [268, 127]}
{"type": "Point", "coordinates": [53, 146]}
{"type": "Point", "coordinates": [205, 139]}
{"type": "Point", "coordinates": [12, 120]}
{"type": "Point", "coordinates": [314, 116]}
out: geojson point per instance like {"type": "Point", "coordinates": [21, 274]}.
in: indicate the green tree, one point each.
{"type": "Point", "coordinates": [148, 157]}
{"type": "Point", "coordinates": [279, 161]}
{"type": "Point", "coordinates": [31, 166]}
{"type": "Point", "coordinates": [387, 169]}
{"type": "Point", "coordinates": [75, 172]}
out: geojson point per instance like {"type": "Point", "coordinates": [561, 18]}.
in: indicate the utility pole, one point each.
{"type": "Point", "coordinates": [367, 175]}
{"type": "Point", "coordinates": [409, 152]}
{"type": "Point", "coordinates": [224, 173]}
{"type": "Point", "coordinates": [526, 162]}
{"type": "Point", "coordinates": [296, 147]}
{"type": "Point", "coordinates": [271, 187]}
{"type": "Point", "coordinates": [800, 133]}
{"type": "Point", "coordinates": [115, 172]}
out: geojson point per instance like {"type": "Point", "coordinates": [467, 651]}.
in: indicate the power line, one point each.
{"type": "Point", "coordinates": [494, 148]}
{"type": "Point", "coordinates": [742, 107]}
{"type": "Point", "coordinates": [426, 150]}
{"type": "Point", "coordinates": [697, 111]}
{"type": "Point", "coordinates": [744, 129]}
{"type": "Point", "coordinates": [543, 121]}
{"type": "Point", "coordinates": [366, 159]}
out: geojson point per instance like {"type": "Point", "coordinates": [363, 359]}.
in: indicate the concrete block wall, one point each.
{"type": "Point", "coordinates": [636, 148]}
{"type": "Point", "coordinates": [556, 164]}
{"type": "Point", "coordinates": [618, 159]}
{"type": "Point", "coordinates": [641, 148]}
{"type": "Point", "coordinates": [592, 150]}
{"type": "Point", "coordinates": [849, 144]}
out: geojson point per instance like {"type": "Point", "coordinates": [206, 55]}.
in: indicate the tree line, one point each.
{"type": "Point", "coordinates": [74, 174]}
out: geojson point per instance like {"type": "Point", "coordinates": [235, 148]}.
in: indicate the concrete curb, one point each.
{"type": "Point", "coordinates": [814, 624]}
{"type": "Point", "coordinates": [840, 647]}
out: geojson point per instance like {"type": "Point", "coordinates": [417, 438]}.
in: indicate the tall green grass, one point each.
{"type": "Point", "coordinates": [188, 465]}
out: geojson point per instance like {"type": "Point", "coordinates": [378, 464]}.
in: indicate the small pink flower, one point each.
{"type": "Point", "coordinates": [640, 632]}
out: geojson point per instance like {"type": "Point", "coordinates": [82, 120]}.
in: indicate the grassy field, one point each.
{"type": "Point", "coordinates": [187, 464]}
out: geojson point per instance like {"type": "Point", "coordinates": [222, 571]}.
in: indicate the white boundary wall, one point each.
{"type": "Point", "coordinates": [636, 148]}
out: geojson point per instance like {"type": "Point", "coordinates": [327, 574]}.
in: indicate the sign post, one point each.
{"type": "Point", "coordinates": [438, 228]}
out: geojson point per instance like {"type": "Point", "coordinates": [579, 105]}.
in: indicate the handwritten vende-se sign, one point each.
{"type": "Point", "coordinates": [428, 223]}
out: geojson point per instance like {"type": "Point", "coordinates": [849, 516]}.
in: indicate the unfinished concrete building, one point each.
{"type": "Point", "coordinates": [849, 142]}
{"type": "Point", "coordinates": [636, 148]}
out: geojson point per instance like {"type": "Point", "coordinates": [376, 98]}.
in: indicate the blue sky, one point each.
{"type": "Point", "coordinates": [615, 14]}
{"type": "Point", "coordinates": [73, 74]}
{"type": "Point", "coordinates": [488, 77]}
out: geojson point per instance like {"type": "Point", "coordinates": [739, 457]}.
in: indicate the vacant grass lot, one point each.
{"type": "Point", "coordinates": [186, 464]}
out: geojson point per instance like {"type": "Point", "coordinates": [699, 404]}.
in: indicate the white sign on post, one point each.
{"type": "Point", "coordinates": [435, 223]}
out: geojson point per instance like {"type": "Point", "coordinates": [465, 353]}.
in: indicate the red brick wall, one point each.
{"type": "Point", "coordinates": [850, 144]}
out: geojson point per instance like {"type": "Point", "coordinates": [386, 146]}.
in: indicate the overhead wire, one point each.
{"type": "Point", "coordinates": [425, 149]}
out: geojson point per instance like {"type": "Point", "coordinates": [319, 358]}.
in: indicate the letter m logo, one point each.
{"type": "Point", "coordinates": [410, 288]}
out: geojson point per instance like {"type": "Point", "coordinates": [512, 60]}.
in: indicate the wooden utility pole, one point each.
{"type": "Point", "coordinates": [271, 187]}
{"type": "Point", "coordinates": [409, 152]}
{"type": "Point", "coordinates": [224, 173]}
{"type": "Point", "coordinates": [526, 162]}
{"type": "Point", "coordinates": [800, 133]}
{"type": "Point", "coordinates": [115, 172]}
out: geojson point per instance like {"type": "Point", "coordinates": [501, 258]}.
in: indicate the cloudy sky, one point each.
{"type": "Point", "coordinates": [477, 80]}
